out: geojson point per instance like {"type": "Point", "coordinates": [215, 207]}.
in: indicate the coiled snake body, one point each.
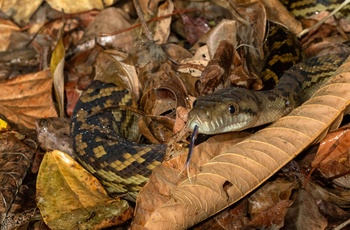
{"type": "Point", "coordinates": [106, 147]}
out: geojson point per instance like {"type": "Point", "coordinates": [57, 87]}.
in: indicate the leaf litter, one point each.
{"type": "Point", "coordinates": [165, 76]}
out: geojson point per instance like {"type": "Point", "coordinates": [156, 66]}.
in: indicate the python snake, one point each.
{"type": "Point", "coordinates": [107, 148]}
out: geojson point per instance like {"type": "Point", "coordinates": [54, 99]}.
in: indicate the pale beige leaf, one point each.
{"type": "Point", "coordinates": [242, 167]}
{"type": "Point", "coordinates": [71, 7]}
{"type": "Point", "coordinates": [20, 10]}
{"type": "Point", "coordinates": [225, 30]}
{"type": "Point", "coordinates": [162, 30]}
{"type": "Point", "coordinates": [69, 197]}
{"type": "Point", "coordinates": [6, 28]}
{"type": "Point", "coordinates": [26, 98]}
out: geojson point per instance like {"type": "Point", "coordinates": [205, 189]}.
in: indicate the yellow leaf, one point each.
{"type": "Point", "coordinates": [57, 65]}
{"type": "Point", "coordinates": [3, 124]}
{"type": "Point", "coordinates": [69, 197]}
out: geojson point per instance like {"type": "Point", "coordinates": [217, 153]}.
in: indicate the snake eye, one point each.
{"type": "Point", "coordinates": [194, 103]}
{"type": "Point", "coordinates": [232, 109]}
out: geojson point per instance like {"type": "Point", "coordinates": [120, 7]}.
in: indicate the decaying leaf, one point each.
{"type": "Point", "coordinates": [240, 168]}
{"type": "Point", "coordinates": [26, 98]}
{"type": "Point", "coordinates": [15, 159]}
{"type": "Point", "coordinates": [54, 134]}
{"type": "Point", "coordinates": [70, 198]}
{"type": "Point", "coordinates": [194, 28]}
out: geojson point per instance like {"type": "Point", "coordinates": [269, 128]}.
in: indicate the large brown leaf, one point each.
{"type": "Point", "coordinates": [26, 98]}
{"type": "Point", "coordinates": [240, 168]}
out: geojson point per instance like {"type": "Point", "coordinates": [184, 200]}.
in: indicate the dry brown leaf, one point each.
{"type": "Point", "coordinates": [26, 98]}
{"type": "Point", "coordinates": [110, 28]}
{"type": "Point", "coordinates": [341, 198]}
{"type": "Point", "coordinates": [69, 197]}
{"type": "Point", "coordinates": [304, 213]}
{"type": "Point", "coordinates": [271, 218]}
{"type": "Point", "coordinates": [278, 13]}
{"type": "Point", "coordinates": [270, 194]}
{"type": "Point", "coordinates": [15, 159]}
{"type": "Point", "coordinates": [240, 168]}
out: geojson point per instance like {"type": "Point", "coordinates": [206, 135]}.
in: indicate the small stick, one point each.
{"type": "Point", "coordinates": [145, 28]}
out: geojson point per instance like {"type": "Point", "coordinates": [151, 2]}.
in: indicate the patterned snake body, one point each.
{"type": "Point", "coordinates": [104, 138]}
{"type": "Point", "coordinates": [105, 134]}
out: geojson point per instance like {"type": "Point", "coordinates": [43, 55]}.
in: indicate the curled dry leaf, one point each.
{"type": "Point", "coordinates": [226, 30]}
{"type": "Point", "coordinates": [110, 70]}
{"type": "Point", "coordinates": [162, 30]}
{"type": "Point", "coordinates": [332, 158]}
{"type": "Point", "coordinates": [215, 75]}
{"type": "Point", "coordinates": [69, 197]}
{"type": "Point", "coordinates": [110, 28]}
{"type": "Point", "coordinates": [26, 98]}
{"type": "Point", "coordinates": [278, 13]}
{"type": "Point", "coordinates": [15, 159]}
{"type": "Point", "coordinates": [238, 169]}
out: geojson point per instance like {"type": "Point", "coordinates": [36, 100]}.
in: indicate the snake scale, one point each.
{"type": "Point", "coordinates": [105, 135]}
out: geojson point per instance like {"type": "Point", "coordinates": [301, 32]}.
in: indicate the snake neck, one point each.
{"type": "Point", "coordinates": [274, 104]}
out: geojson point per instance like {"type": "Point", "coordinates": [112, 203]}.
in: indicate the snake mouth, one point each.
{"type": "Point", "coordinates": [215, 126]}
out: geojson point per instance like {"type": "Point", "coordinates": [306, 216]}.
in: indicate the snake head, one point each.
{"type": "Point", "coordinates": [226, 110]}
